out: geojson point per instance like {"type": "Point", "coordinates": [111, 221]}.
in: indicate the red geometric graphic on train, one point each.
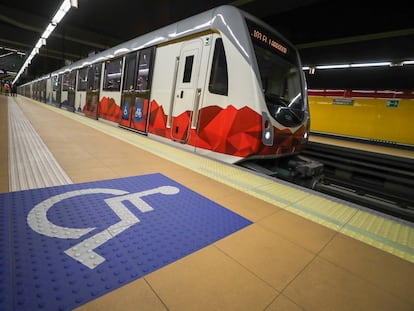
{"type": "Point", "coordinates": [158, 121]}
{"type": "Point", "coordinates": [284, 142]}
{"type": "Point", "coordinates": [230, 131]}
{"type": "Point", "coordinates": [89, 108]}
{"type": "Point", "coordinates": [180, 125]}
{"type": "Point", "coordinates": [109, 110]}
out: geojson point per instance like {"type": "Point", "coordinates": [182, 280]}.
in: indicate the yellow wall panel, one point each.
{"type": "Point", "coordinates": [379, 119]}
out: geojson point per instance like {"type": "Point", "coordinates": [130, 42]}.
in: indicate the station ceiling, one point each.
{"type": "Point", "coordinates": [325, 31]}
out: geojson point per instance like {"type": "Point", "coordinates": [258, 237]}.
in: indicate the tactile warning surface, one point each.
{"type": "Point", "coordinates": [64, 246]}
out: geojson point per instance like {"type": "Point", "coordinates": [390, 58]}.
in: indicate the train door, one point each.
{"type": "Point", "coordinates": [71, 90]}
{"type": "Point", "coordinates": [136, 90]}
{"type": "Point", "coordinates": [57, 90]}
{"type": "Point", "coordinates": [186, 92]}
{"type": "Point", "coordinates": [43, 90]}
{"type": "Point", "coordinates": [68, 90]}
{"type": "Point", "coordinates": [128, 89]}
{"type": "Point", "coordinates": [92, 93]}
{"type": "Point", "coordinates": [81, 86]}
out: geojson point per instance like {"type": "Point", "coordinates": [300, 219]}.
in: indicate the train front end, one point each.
{"type": "Point", "coordinates": [282, 93]}
{"type": "Point", "coordinates": [281, 97]}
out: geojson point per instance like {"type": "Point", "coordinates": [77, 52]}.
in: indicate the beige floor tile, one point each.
{"type": "Point", "coordinates": [209, 189]}
{"type": "Point", "coordinates": [123, 170]}
{"type": "Point", "coordinates": [299, 230]}
{"type": "Point", "coordinates": [325, 286]}
{"type": "Point", "coordinates": [134, 296]}
{"type": "Point", "coordinates": [279, 262]}
{"type": "Point", "coordinates": [247, 206]}
{"type": "Point", "coordinates": [4, 187]}
{"type": "Point", "coordinates": [282, 303]}
{"type": "Point", "coordinates": [165, 167]}
{"type": "Point", "coordinates": [389, 272]}
{"type": "Point", "coordinates": [185, 177]}
{"type": "Point", "coordinates": [68, 151]}
{"type": "Point", "coordinates": [77, 161]}
{"type": "Point", "coordinates": [125, 157]}
{"type": "Point", "coordinates": [210, 280]}
{"type": "Point", "coordinates": [83, 174]}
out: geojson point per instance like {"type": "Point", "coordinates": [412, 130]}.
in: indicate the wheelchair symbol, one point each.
{"type": "Point", "coordinates": [84, 252]}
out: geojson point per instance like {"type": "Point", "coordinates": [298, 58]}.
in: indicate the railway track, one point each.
{"type": "Point", "coordinates": [377, 181]}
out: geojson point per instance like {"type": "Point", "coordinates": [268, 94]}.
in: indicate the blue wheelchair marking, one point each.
{"type": "Point", "coordinates": [64, 246]}
{"type": "Point", "coordinates": [138, 110]}
{"type": "Point", "coordinates": [125, 111]}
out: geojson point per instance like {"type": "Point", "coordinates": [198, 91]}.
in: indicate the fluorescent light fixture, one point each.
{"type": "Point", "coordinates": [8, 49]}
{"type": "Point", "coordinates": [39, 44]}
{"type": "Point", "coordinates": [332, 66]}
{"type": "Point", "coordinates": [61, 12]}
{"type": "Point", "coordinates": [48, 31]}
{"type": "Point", "coordinates": [370, 64]}
{"type": "Point", "coordinates": [358, 65]}
{"type": "Point", "coordinates": [12, 50]}
{"type": "Point", "coordinates": [58, 17]}
{"type": "Point", "coordinates": [64, 8]}
{"type": "Point", "coordinates": [7, 54]}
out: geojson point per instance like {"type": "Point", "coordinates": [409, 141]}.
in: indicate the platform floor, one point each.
{"type": "Point", "coordinates": [396, 150]}
{"type": "Point", "coordinates": [301, 251]}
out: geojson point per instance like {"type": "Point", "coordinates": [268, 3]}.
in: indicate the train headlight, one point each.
{"type": "Point", "coordinates": [267, 130]}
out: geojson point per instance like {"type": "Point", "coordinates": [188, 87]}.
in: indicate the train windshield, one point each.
{"type": "Point", "coordinates": [280, 76]}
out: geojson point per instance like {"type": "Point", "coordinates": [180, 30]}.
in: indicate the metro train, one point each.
{"type": "Point", "coordinates": [376, 116]}
{"type": "Point", "coordinates": [222, 83]}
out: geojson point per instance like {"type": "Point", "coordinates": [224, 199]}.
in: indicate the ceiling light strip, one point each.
{"type": "Point", "coordinates": [57, 18]}
{"type": "Point", "coordinates": [357, 65]}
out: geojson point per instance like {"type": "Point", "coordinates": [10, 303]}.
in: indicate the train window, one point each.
{"type": "Point", "coordinates": [281, 84]}
{"type": "Point", "coordinates": [188, 68]}
{"type": "Point", "coordinates": [143, 69]}
{"type": "Point", "coordinates": [43, 85]}
{"type": "Point", "coordinates": [82, 79]}
{"type": "Point", "coordinates": [129, 77]}
{"type": "Point", "coordinates": [56, 83]}
{"type": "Point", "coordinates": [218, 83]}
{"type": "Point", "coordinates": [94, 77]}
{"type": "Point", "coordinates": [113, 75]}
{"type": "Point", "coordinates": [72, 80]}
{"type": "Point", "coordinates": [65, 81]}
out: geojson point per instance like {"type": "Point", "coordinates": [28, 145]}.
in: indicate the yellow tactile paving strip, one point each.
{"type": "Point", "coordinates": [392, 236]}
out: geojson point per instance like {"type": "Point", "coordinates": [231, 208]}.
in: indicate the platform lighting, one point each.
{"type": "Point", "coordinates": [371, 64]}
{"type": "Point", "coordinates": [12, 50]}
{"type": "Point", "coordinates": [48, 31]}
{"type": "Point", "coordinates": [312, 69]}
{"type": "Point", "coordinates": [61, 12]}
{"type": "Point", "coordinates": [7, 54]}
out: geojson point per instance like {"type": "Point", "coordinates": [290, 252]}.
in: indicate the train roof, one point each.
{"type": "Point", "coordinates": [227, 19]}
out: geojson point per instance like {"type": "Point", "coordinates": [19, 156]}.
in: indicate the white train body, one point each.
{"type": "Point", "coordinates": [221, 83]}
